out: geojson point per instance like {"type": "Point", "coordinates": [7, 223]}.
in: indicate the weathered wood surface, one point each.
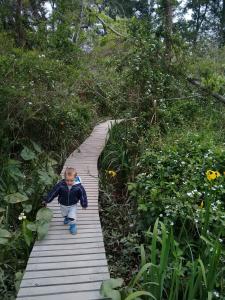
{"type": "Point", "coordinates": [68, 267]}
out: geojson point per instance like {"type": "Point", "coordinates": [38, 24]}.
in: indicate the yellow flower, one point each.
{"type": "Point", "coordinates": [201, 204]}
{"type": "Point", "coordinates": [112, 173]}
{"type": "Point", "coordinates": [217, 174]}
{"type": "Point", "coordinates": [211, 175]}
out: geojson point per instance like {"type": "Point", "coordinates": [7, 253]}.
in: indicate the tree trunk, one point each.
{"type": "Point", "coordinates": [223, 25]}
{"type": "Point", "coordinates": [168, 27]}
{"type": "Point", "coordinates": [19, 24]}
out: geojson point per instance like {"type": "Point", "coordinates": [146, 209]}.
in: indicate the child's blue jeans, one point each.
{"type": "Point", "coordinates": [69, 212]}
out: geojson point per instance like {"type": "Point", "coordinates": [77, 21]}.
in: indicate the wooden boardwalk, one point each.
{"type": "Point", "coordinates": [63, 266]}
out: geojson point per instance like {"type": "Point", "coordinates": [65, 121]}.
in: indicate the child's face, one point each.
{"type": "Point", "coordinates": [69, 180]}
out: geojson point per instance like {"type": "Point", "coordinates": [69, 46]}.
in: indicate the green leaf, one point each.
{"type": "Point", "coordinates": [3, 241]}
{"type": "Point", "coordinates": [27, 233]}
{"type": "Point", "coordinates": [4, 233]}
{"type": "Point", "coordinates": [143, 255]}
{"type": "Point", "coordinates": [2, 209]}
{"type": "Point", "coordinates": [108, 286]}
{"type": "Point", "coordinates": [52, 162]}
{"type": "Point", "coordinates": [138, 294]}
{"type": "Point", "coordinates": [42, 230]}
{"type": "Point", "coordinates": [27, 154]}
{"type": "Point", "coordinates": [18, 278]}
{"type": "Point", "coordinates": [44, 214]}
{"type": "Point", "coordinates": [27, 207]}
{"type": "Point", "coordinates": [15, 198]}
{"type": "Point", "coordinates": [203, 271]}
{"type": "Point", "coordinates": [4, 236]}
{"type": "Point", "coordinates": [32, 226]}
{"type": "Point", "coordinates": [13, 169]}
{"type": "Point", "coordinates": [44, 177]}
{"type": "Point", "coordinates": [140, 273]}
{"type": "Point", "coordinates": [37, 148]}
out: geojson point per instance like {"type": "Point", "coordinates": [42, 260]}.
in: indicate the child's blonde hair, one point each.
{"type": "Point", "coordinates": [70, 172]}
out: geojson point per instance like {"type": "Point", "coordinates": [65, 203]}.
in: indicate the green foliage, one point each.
{"type": "Point", "coordinates": [168, 275]}
{"type": "Point", "coordinates": [42, 120]}
{"type": "Point", "coordinates": [165, 177]}
{"type": "Point", "coordinates": [170, 173]}
{"type": "Point", "coordinates": [4, 236]}
{"type": "Point", "coordinates": [15, 198]}
{"type": "Point", "coordinates": [52, 91]}
{"type": "Point", "coordinates": [209, 69]}
{"type": "Point", "coordinates": [41, 224]}
{"type": "Point", "coordinates": [109, 286]}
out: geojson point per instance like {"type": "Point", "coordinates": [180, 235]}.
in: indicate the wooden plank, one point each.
{"type": "Point", "coordinates": [66, 258]}
{"type": "Point", "coordinates": [64, 280]}
{"type": "Point", "coordinates": [92, 295]}
{"type": "Point", "coordinates": [64, 272]}
{"type": "Point", "coordinates": [73, 240]}
{"type": "Point", "coordinates": [64, 230]}
{"type": "Point", "coordinates": [67, 236]}
{"type": "Point", "coordinates": [66, 265]}
{"type": "Point", "coordinates": [68, 246]}
{"type": "Point", "coordinates": [64, 252]}
{"type": "Point", "coordinates": [46, 290]}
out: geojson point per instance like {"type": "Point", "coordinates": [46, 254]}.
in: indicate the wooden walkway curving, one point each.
{"type": "Point", "coordinates": [63, 266]}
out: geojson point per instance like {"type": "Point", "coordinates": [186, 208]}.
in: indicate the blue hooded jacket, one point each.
{"type": "Point", "coordinates": [68, 196]}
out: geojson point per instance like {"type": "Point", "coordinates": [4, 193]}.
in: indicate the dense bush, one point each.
{"type": "Point", "coordinates": [42, 119]}
{"type": "Point", "coordinates": [176, 176]}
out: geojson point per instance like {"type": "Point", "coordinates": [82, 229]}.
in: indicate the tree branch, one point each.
{"type": "Point", "coordinates": [204, 89]}
{"type": "Point", "coordinates": [110, 28]}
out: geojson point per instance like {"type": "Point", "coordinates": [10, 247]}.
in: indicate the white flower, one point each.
{"type": "Point", "coordinates": [22, 216]}
{"type": "Point", "coordinates": [220, 240]}
{"type": "Point", "coordinates": [161, 215]}
{"type": "Point", "coordinates": [190, 194]}
{"type": "Point", "coordinates": [216, 294]}
{"type": "Point", "coordinates": [171, 223]}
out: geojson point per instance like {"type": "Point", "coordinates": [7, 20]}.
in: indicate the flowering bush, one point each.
{"type": "Point", "coordinates": [176, 183]}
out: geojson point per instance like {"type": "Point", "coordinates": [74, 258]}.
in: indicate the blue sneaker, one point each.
{"type": "Point", "coordinates": [73, 228]}
{"type": "Point", "coordinates": [66, 220]}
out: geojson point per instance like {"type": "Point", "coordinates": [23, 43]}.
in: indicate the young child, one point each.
{"type": "Point", "coordinates": [69, 192]}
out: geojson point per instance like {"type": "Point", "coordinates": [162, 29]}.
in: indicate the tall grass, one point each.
{"type": "Point", "coordinates": [167, 274]}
